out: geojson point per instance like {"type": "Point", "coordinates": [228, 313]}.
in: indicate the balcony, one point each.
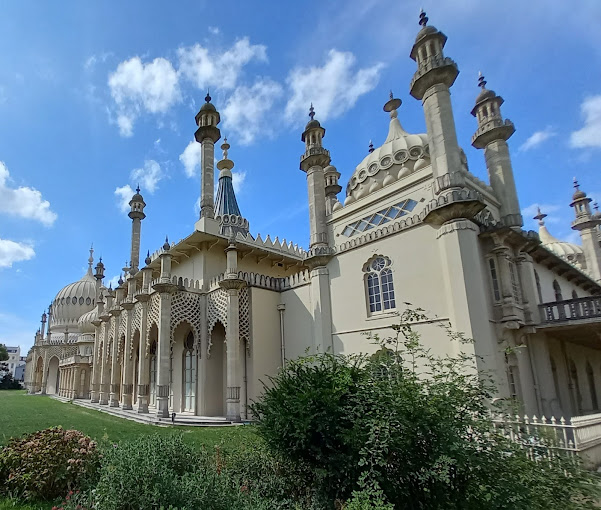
{"type": "Point", "coordinates": [576, 320]}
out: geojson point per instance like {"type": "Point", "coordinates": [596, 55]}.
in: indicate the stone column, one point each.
{"type": "Point", "coordinates": [104, 375]}
{"type": "Point", "coordinates": [164, 351]}
{"type": "Point", "coordinates": [143, 383]}
{"type": "Point", "coordinates": [321, 310]}
{"type": "Point", "coordinates": [529, 293]}
{"type": "Point", "coordinates": [201, 374]}
{"type": "Point", "coordinates": [232, 286]}
{"type": "Point", "coordinates": [45, 374]}
{"type": "Point", "coordinates": [115, 372]}
{"type": "Point", "coordinates": [128, 388]}
{"type": "Point", "coordinates": [96, 363]}
{"type": "Point", "coordinates": [77, 382]}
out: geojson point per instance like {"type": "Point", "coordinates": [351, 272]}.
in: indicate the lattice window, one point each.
{"type": "Point", "coordinates": [122, 324]}
{"type": "Point", "coordinates": [216, 311]}
{"type": "Point", "coordinates": [384, 216]}
{"type": "Point", "coordinates": [379, 284]}
{"type": "Point", "coordinates": [154, 305]}
{"type": "Point", "coordinates": [137, 317]}
{"type": "Point", "coordinates": [186, 307]}
{"type": "Point", "coordinates": [244, 305]}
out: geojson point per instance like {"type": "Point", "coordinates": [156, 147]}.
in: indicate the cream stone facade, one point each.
{"type": "Point", "coordinates": [204, 320]}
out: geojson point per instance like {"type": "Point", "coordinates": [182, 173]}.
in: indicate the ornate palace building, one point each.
{"type": "Point", "coordinates": [197, 326]}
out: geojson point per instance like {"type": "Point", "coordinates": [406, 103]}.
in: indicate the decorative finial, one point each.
{"type": "Point", "coordinates": [148, 260]}
{"type": "Point", "coordinates": [224, 147]}
{"type": "Point", "coordinates": [596, 206]}
{"type": "Point", "coordinates": [91, 257]}
{"type": "Point", "coordinates": [481, 80]}
{"type": "Point", "coordinates": [576, 185]}
{"type": "Point", "coordinates": [540, 217]}
{"type": "Point", "coordinates": [120, 281]}
{"type": "Point", "coordinates": [423, 19]}
{"type": "Point", "coordinates": [138, 188]}
{"type": "Point", "coordinates": [371, 147]}
{"type": "Point", "coordinates": [311, 111]}
{"type": "Point", "coordinates": [166, 245]}
{"type": "Point", "coordinates": [208, 97]}
{"type": "Point", "coordinates": [391, 95]}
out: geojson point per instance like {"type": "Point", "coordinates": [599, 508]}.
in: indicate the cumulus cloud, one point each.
{"type": "Point", "coordinates": [11, 252]}
{"type": "Point", "coordinates": [137, 86]}
{"type": "Point", "coordinates": [148, 176]}
{"type": "Point", "coordinates": [589, 136]}
{"type": "Point", "coordinates": [205, 68]}
{"type": "Point", "coordinates": [190, 158]}
{"type": "Point", "coordinates": [23, 201]}
{"type": "Point", "coordinates": [238, 179]}
{"type": "Point", "coordinates": [124, 194]}
{"type": "Point", "coordinates": [332, 88]}
{"type": "Point", "coordinates": [537, 138]}
{"type": "Point", "coordinates": [245, 110]}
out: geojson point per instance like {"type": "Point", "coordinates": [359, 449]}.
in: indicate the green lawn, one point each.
{"type": "Point", "coordinates": [21, 413]}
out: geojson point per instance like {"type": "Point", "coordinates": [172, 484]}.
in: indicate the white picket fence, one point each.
{"type": "Point", "coordinates": [544, 437]}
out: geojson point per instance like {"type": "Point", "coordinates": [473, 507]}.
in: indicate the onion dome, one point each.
{"type": "Point", "coordinates": [208, 106]}
{"type": "Point", "coordinates": [401, 154]}
{"type": "Point", "coordinates": [426, 29]}
{"type": "Point", "coordinates": [578, 194]}
{"type": "Point", "coordinates": [484, 92]}
{"type": "Point", "coordinates": [570, 252]}
{"type": "Point", "coordinates": [84, 323]}
{"type": "Point", "coordinates": [74, 300]}
{"type": "Point", "coordinates": [313, 123]}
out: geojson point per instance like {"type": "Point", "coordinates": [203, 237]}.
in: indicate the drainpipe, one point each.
{"type": "Point", "coordinates": [281, 308]}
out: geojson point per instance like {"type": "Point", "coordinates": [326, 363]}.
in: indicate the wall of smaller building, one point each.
{"type": "Point", "coordinates": [298, 321]}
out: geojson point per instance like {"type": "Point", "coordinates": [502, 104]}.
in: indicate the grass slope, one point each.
{"type": "Point", "coordinates": [21, 413]}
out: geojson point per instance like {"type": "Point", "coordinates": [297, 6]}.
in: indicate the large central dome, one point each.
{"type": "Point", "coordinates": [401, 153]}
{"type": "Point", "coordinates": [73, 301]}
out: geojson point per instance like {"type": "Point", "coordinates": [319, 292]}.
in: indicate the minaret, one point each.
{"type": "Point", "coordinates": [586, 223]}
{"type": "Point", "coordinates": [136, 214]}
{"type": "Point", "coordinates": [313, 162]}
{"type": "Point", "coordinates": [492, 135]}
{"type": "Point", "coordinates": [207, 135]}
{"type": "Point", "coordinates": [431, 84]}
{"type": "Point", "coordinates": [332, 189]}
{"type": "Point", "coordinates": [43, 329]}
{"type": "Point", "coordinates": [226, 205]}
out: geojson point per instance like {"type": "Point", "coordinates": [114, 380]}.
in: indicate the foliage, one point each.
{"type": "Point", "coordinates": [163, 471]}
{"type": "Point", "coordinates": [409, 429]}
{"type": "Point", "coordinates": [3, 353]}
{"type": "Point", "coordinates": [7, 382]}
{"type": "Point", "coordinates": [46, 464]}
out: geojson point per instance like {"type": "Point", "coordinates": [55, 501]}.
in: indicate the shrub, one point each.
{"type": "Point", "coordinates": [408, 429]}
{"type": "Point", "coordinates": [46, 464]}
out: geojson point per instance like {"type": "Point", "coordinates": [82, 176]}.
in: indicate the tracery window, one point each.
{"type": "Point", "coordinates": [379, 285]}
{"type": "Point", "coordinates": [189, 373]}
{"type": "Point", "coordinates": [379, 218]}
{"type": "Point", "coordinates": [557, 289]}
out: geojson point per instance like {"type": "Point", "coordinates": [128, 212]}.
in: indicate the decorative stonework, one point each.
{"type": "Point", "coordinates": [455, 225]}
{"type": "Point", "coordinates": [153, 312]}
{"type": "Point", "coordinates": [216, 312]}
{"type": "Point", "coordinates": [244, 317]}
{"type": "Point", "coordinates": [185, 307]}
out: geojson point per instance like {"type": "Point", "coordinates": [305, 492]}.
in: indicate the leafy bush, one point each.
{"type": "Point", "coordinates": [408, 429]}
{"type": "Point", "coordinates": [46, 464]}
{"type": "Point", "coordinates": [155, 471]}
{"type": "Point", "coordinates": [7, 382]}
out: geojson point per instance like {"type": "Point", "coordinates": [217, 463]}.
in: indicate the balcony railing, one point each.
{"type": "Point", "coordinates": [570, 310]}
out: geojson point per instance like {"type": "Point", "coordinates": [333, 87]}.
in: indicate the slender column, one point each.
{"type": "Point", "coordinates": [128, 387]}
{"type": "Point", "coordinates": [115, 380]}
{"type": "Point", "coordinates": [528, 287]}
{"type": "Point", "coordinates": [45, 374]}
{"type": "Point", "coordinates": [104, 375]}
{"type": "Point", "coordinates": [232, 287]}
{"type": "Point", "coordinates": [201, 375]}
{"type": "Point", "coordinates": [527, 382]}
{"type": "Point", "coordinates": [321, 309]}
{"type": "Point", "coordinates": [163, 354]}
{"type": "Point", "coordinates": [143, 382]}
{"type": "Point", "coordinates": [96, 364]}
{"type": "Point", "coordinates": [77, 389]}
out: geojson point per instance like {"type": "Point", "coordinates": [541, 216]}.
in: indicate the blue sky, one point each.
{"type": "Point", "coordinates": [96, 97]}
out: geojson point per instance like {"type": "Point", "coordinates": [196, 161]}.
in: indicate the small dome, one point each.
{"type": "Point", "coordinates": [427, 30]}
{"type": "Point", "coordinates": [312, 124]}
{"type": "Point", "coordinates": [208, 107]}
{"type": "Point", "coordinates": [85, 321]}
{"type": "Point", "coordinates": [485, 94]}
{"type": "Point", "coordinates": [400, 150]}
{"type": "Point", "coordinates": [578, 194]}
{"type": "Point", "coordinates": [573, 253]}
{"type": "Point", "coordinates": [73, 301]}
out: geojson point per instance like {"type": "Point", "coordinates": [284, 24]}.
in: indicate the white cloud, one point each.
{"type": "Point", "coordinates": [11, 252]}
{"type": "Point", "coordinates": [238, 179]}
{"type": "Point", "coordinates": [148, 176]}
{"type": "Point", "coordinates": [23, 201]}
{"type": "Point", "coordinates": [590, 134]}
{"type": "Point", "coordinates": [214, 30]}
{"type": "Point", "coordinates": [213, 69]}
{"type": "Point", "coordinates": [244, 112]}
{"type": "Point", "coordinates": [113, 282]}
{"type": "Point", "coordinates": [537, 138]}
{"type": "Point", "coordinates": [124, 194]}
{"type": "Point", "coordinates": [332, 88]}
{"type": "Point", "coordinates": [136, 86]}
{"type": "Point", "coordinates": [190, 158]}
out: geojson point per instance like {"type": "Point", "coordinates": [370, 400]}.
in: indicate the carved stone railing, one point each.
{"type": "Point", "coordinates": [570, 310]}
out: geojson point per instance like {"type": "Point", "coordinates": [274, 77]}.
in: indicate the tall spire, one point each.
{"type": "Point", "coordinates": [91, 259]}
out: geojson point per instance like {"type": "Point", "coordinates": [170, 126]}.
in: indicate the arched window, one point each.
{"type": "Point", "coordinates": [189, 373]}
{"type": "Point", "coordinates": [557, 289]}
{"type": "Point", "coordinates": [379, 285]}
{"type": "Point", "coordinates": [153, 373]}
{"type": "Point", "coordinates": [538, 287]}
{"type": "Point", "coordinates": [591, 386]}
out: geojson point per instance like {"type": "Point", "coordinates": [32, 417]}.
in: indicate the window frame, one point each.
{"type": "Point", "coordinates": [380, 297]}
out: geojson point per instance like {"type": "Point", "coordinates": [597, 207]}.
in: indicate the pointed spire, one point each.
{"type": "Point", "coordinates": [481, 80]}
{"type": "Point", "coordinates": [91, 258]}
{"type": "Point", "coordinates": [208, 97]}
{"type": "Point", "coordinates": [540, 217]}
{"type": "Point", "coordinates": [138, 189]}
